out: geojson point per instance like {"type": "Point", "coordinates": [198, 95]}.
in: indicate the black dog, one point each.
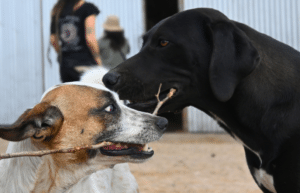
{"type": "Point", "coordinates": [246, 80]}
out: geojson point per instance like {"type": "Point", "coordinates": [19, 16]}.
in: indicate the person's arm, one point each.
{"type": "Point", "coordinates": [54, 42]}
{"type": "Point", "coordinates": [90, 36]}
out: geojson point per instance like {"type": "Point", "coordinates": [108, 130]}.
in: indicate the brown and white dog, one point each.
{"type": "Point", "coordinates": [71, 115]}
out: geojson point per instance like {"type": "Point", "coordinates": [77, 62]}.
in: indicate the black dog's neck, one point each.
{"type": "Point", "coordinates": [238, 127]}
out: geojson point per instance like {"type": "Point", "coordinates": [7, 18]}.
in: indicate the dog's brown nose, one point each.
{"type": "Point", "coordinates": [111, 79]}
{"type": "Point", "coordinates": [162, 123]}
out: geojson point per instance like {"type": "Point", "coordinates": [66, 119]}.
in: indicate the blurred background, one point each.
{"type": "Point", "coordinates": [25, 71]}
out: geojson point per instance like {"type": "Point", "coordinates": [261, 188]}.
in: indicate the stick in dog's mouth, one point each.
{"type": "Point", "coordinates": [152, 103]}
{"type": "Point", "coordinates": [106, 148]}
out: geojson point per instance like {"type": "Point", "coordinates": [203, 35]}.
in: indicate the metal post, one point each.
{"type": "Point", "coordinates": [42, 46]}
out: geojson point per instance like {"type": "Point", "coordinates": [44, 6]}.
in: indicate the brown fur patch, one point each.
{"type": "Point", "coordinates": [74, 102]}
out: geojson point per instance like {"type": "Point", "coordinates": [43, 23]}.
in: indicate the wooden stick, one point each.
{"type": "Point", "coordinates": [46, 152]}
{"type": "Point", "coordinates": [160, 103]}
{"type": "Point", "coordinates": [157, 95]}
{"type": "Point", "coordinates": [74, 149]}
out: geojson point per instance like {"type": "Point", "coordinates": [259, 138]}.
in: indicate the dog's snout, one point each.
{"type": "Point", "coordinates": [111, 79]}
{"type": "Point", "coordinates": [162, 123]}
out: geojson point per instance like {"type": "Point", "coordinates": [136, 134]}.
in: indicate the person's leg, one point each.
{"type": "Point", "coordinates": [64, 75]}
{"type": "Point", "coordinates": [67, 71]}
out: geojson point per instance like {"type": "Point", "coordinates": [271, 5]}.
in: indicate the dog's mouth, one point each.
{"type": "Point", "coordinates": [147, 105]}
{"type": "Point", "coordinates": [136, 151]}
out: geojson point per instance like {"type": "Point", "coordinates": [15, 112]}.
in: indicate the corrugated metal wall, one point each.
{"type": "Point", "coordinates": [131, 17]}
{"type": "Point", "coordinates": [20, 59]}
{"type": "Point", "coordinates": [276, 18]}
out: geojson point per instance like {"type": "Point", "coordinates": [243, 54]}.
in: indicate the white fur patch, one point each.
{"type": "Point", "coordinates": [265, 179]}
{"type": "Point", "coordinates": [93, 85]}
{"type": "Point", "coordinates": [94, 75]}
{"type": "Point", "coordinates": [117, 179]}
{"type": "Point", "coordinates": [133, 124]}
{"type": "Point", "coordinates": [19, 174]}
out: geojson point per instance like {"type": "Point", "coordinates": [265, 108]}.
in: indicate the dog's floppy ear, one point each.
{"type": "Point", "coordinates": [233, 58]}
{"type": "Point", "coordinates": [40, 122]}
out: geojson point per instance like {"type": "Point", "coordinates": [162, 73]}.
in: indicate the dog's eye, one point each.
{"type": "Point", "coordinates": [163, 43]}
{"type": "Point", "coordinates": [110, 109]}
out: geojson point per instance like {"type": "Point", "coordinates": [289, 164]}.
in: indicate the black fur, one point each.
{"type": "Point", "coordinates": [229, 70]}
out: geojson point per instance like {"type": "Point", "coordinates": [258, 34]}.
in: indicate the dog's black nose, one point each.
{"type": "Point", "coordinates": [111, 79]}
{"type": "Point", "coordinates": [162, 123]}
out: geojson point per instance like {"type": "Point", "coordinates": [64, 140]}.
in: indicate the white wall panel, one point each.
{"type": "Point", "coordinates": [198, 121]}
{"type": "Point", "coordinates": [276, 18]}
{"type": "Point", "coordinates": [20, 58]}
{"type": "Point", "coordinates": [51, 70]}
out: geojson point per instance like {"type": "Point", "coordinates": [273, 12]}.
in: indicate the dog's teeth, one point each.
{"type": "Point", "coordinates": [145, 147]}
{"type": "Point", "coordinates": [118, 145]}
{"type": "Point", "coordinates": [129, 101]}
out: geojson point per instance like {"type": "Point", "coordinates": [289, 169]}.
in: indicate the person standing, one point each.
{"type": "Point", "coordinates": [113, 45]}
{"type": "Point", "coordinates": [73, 37]}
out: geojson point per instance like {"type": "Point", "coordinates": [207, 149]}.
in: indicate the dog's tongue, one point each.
{"type": "Point", "coordinates": [133, 150]}
{"type": "Point", "coordinates": [118, 146]}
